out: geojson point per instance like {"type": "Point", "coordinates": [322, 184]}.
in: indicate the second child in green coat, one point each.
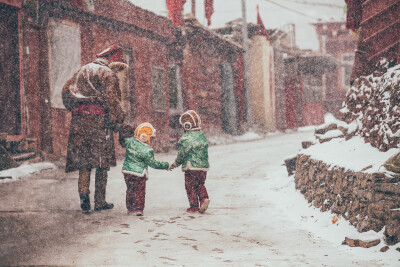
{"type": "Point", "coordinates": [193, 156]}
{"type": "Point", "coordinates": [139, 155]}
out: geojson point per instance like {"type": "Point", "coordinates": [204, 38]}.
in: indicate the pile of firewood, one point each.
{"type": "Point", "coordinates": [372, 106]}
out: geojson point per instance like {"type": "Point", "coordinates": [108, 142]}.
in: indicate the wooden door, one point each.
{"type": "Point", "coordinates": [290, 103]}
{"type": "Point", "coordinates": [10, 101]}
{"type": "Point", "coordinates": [228, 99]}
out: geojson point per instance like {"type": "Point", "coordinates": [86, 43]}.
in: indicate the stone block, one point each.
{"type": "Point", "coordinates": [323, 130]}
{"type": "Point", "coordinates": [291, 165]}
{"type": "Point", "coordinates": [306, 144]}
{"type": "Point", "coordinates": [388, 188]}
{"type": "Point", "coordinates": [394, 213]}
{"type": "Point", "coordinates": [378, 210]}
{"type": "Point", "coordinates": [360, 243]}
{"type": "Point", "coordinates": [384, 249]}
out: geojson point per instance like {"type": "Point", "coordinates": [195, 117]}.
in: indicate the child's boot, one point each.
{"type": "Point", "coordinates": [204, 204]}
{"type": "Point", "coordinates": [192, 209]}
{"type": "Point", "coordinates": [139, 213]}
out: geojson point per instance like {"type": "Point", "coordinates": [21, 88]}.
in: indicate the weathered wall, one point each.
{"type": "Point", "coordinates": [262, 82]}
{"type": "Point", "coordinates": [369, 201]}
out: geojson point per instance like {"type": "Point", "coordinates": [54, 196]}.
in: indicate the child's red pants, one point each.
{"type": "Point", "coordinates": [135, 192]}
{"type": "Point", "coordinates": [194, 185]}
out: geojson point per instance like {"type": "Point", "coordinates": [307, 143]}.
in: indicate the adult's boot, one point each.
{"type": "Point", "coordinates": [85, 202]}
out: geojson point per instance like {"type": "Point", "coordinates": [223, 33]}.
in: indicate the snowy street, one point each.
{"type": "Point", "coordinates": [255, 218]}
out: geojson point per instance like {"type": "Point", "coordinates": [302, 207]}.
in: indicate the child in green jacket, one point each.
{"type": "Point", "coordinates": [193, 156]}
{"type": "Point", "coordinates": [139, 155]}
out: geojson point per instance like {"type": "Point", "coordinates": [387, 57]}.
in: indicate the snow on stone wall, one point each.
{"type": "Point", "coordinates": [369, 201]}
{"type": "Point", "coordinates": [372, 104]}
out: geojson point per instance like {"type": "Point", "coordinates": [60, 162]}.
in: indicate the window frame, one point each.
{"type": "Point", "coordinates": [179, 99]}
{"type": "Point", "coordinates": [158, 91]}
{"type": "Point", "coordinates": [70, 64]}
{"type": "Point", "coordinates": [347, 67]}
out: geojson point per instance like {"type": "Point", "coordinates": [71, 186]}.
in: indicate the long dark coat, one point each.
{"type": "Point", "coordinates": [91, 139]}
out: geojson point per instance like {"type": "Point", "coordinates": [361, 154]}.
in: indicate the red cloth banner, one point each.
{"type": "Point", "coordinates": [209, 10]}
{"type": "Point", "coordinates": [175, 10]}
{"type": "Point", "coordinates": [261, 28]}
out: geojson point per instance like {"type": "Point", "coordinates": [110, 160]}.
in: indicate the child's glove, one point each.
{"type": "Point", "coordinates": [125, 131]}
{"type": "Point", "coordinates": [172, 166]}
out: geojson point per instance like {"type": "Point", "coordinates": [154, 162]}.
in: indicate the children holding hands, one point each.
{"type": "Point", "coordinates": [192, 155]}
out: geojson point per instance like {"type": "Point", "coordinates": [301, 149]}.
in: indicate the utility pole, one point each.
{"type": "Point", "coordinates": [246, 64]}
{"type": "Point", "coordinates": [194, 8]}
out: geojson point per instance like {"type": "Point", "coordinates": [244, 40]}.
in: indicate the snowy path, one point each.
{"type": "Point", "coordinates": [254, 219]}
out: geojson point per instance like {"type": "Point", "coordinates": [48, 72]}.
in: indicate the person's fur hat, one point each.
{"type": "Point", "coordinates": [114, 54]}
{"type": "Point", "coordinates": [190, 120]}
{"type": "Point", "coordinates": [144, 131]}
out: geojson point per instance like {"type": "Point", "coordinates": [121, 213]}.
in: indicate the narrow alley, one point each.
{"type": "Point", "coordinates": [251, 220]}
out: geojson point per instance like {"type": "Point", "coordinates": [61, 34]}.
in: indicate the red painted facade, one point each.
{"type": "Point", "coordinates": [149, 41]}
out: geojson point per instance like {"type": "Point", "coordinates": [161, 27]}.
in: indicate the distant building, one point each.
{"type": "Point", "coordinates": [212, 78]}
{"type": "Point", "coordinates": [304, 88]}
{"type": "Point", "coordinates": [287, 84]}
{"type": "Point", "coordinates": [261, 73]}
{"type": "Point", "coordinates": [336, 40]}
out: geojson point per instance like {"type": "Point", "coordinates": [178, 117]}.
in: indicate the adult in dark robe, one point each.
{"type": "Point", "coordinates": [93, 96]}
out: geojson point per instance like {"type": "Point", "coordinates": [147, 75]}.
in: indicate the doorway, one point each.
{"type": "Point", "coordinates": [10, 97]}
{"type": "Point", "coordinates": [228, 100]}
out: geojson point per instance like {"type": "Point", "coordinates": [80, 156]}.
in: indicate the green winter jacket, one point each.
{"type": "Point", "coordinates": [138, 157]}
{"type": "Point", "coordinates": [193, 151]}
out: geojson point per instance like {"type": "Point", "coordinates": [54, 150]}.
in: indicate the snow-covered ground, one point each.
{"type": "Point", "coordinates": [256, 218]}
{"type": "Point", "coordinates": [24, 171]}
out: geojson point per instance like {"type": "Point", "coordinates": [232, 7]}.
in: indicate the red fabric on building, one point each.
{"type": "Point", "coordinates": [175, 9]}
{"type": "Point", "coordinates": [261, 28]}
{"type": "Point", "coordinates": [353, 14]}
{"type": "Point", "coordinates": [209, 10]}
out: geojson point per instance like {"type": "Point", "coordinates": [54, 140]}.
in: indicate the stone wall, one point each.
{"type": "Point", "coordinates": [368, 201]}
{"type": "Point", "coordinates": [372, 105]}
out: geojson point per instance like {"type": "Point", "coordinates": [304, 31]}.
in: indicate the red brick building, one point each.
{"type": "Point", "coordinates": [54, 38]}
{"type": "Point", "coordinates": [46, 41]}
